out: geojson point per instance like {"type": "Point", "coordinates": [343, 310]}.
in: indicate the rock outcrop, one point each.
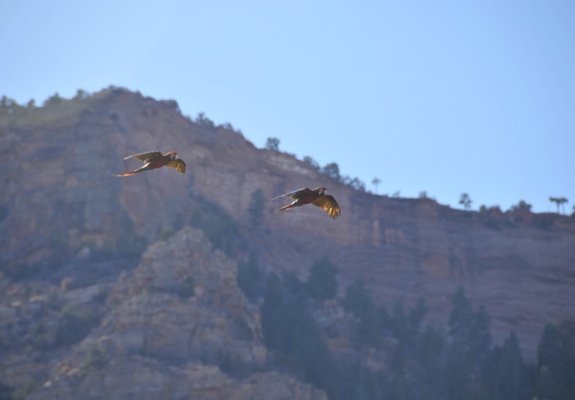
{"type": "Point", "coordinates": [176, 327]}
{"type": "Point", "coordinates": [182, 303]}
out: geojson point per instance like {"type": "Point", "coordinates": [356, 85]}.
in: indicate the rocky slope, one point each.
{"type": "Point", "coordinates": [64, 216]}
{"type": "Point", "coordinates": [177, 332]}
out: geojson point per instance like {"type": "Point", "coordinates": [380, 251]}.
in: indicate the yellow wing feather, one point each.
{"type": "Point", "coordinates": [179, 165]}
{"type": "Point", "coordinates": [329, 205]}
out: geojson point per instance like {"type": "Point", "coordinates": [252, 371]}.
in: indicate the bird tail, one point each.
{"type": "Point", "coordinates": [286, 207]}
{"type": "Point", "coordinates": [128, 173]}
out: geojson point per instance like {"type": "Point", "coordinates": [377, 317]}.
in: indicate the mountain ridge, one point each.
{"type": "Point", "coordinates": [60, 201]}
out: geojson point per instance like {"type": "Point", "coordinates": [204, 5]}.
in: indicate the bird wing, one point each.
{"type": "Point", "coordinates": [328, 204]}
{"type": "Point", "coordinates": [178, 164]}
{"type": "Point", "coordinates": [145, 156]}
{"type": "Point", "coordinates": [295, 194]}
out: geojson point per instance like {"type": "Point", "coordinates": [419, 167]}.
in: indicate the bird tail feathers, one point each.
{"type": "Point", "coordinates": [286, 207]}
{"type": "Point", "coordinates": [123, 174]}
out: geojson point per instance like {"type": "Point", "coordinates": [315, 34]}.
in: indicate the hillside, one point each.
{"type": "Point", "coordinates": [74, 237]}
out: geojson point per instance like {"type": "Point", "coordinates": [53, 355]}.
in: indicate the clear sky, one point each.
{"type": "Point", "coordinates": [446, 97]}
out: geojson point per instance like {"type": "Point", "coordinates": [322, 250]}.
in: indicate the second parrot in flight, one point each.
{"type": "Point", "coordinates": [317, 197]}
{"type": "Point", "coordinates": [155, 159]}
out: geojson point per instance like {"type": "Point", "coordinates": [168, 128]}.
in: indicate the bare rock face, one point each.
{"type": "Point", "coordinates": [176, 327]}
{"type": "Point", "coordinates": [183, 303]}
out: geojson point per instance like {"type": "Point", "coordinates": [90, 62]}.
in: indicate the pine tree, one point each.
{"type": "Point", "coordinates": [465, 201]}
{"type": "Point", "coordinates": [272, 312]}
{"type": "Point", "coordinates": [556, 364]}
{"type": "Point", "coordinates": [322, 280]}
{"type": "Point", "coordinates": [417, 314]}
{"type": "Point", "coordinates": [479, 336]}
{"type": "Point", "coordinates": [256, 208]}
{"type": "Point", "coordinates": [510, 370]}
{"type": "Point", "coordinates": [249, 277]}
{"type": "Point", "coordinates": [332, 170]}
{"type": "Point", "coordinates": [461, 314]}
{"type": "Point", "coordinates": [357, 298]}
{"type": "Point", "coordinates": [429, 350]}
{"type": "Point", "coordinates": [273, 144]}
{"type": "Point", "coordinates": [400, 324]}
{"type": "Point", "coordinates": [358, 301]}
{"type": "Point", "coordinates": [457, 371]}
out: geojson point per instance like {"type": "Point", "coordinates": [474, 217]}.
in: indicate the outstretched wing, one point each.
{"type": "Point", "coordinates": [145, 156]}
{"type": "Point", "coordinates": [178, 164]}
{"type": "Point", "coordinates": [328, 204]}
{"type": "Point", "coordinates": [295, 194]}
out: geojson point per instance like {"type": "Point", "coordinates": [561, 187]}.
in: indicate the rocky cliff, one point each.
{"type": "Point", "coordinates": [175, 327]}
{"type": "Point", "coordinates": [66, 223]}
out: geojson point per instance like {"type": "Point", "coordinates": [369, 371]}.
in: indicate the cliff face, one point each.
{"type": "Point", "coordinates": [60, 207]}
{"type": "Point", "coordinates": [175, 327]}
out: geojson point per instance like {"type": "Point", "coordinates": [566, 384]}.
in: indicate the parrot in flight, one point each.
{"type": "Point", "coordinates": [155, 159]}
{"type": "Point", "coordinates": [317, 197]}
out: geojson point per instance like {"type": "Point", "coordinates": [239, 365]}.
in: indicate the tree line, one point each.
{"type": "Point", "coordinates": [418, 360]}
{"type": "Point", "coordinates": [332, 170]}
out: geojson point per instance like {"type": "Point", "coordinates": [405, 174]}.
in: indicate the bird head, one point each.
{"type": "Point", "coordinates": [174, 155]}
{"type": "Point", "coordinates": [321, 191]}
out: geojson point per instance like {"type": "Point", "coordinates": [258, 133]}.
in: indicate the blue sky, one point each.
{"type": "Point", "coordinates": [438, 96]}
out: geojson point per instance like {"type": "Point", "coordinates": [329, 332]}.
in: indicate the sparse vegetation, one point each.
{"type": "Point", "coordinates": [96, 356]}
{"type": "Point", "coordinates": [187, 288]}
{"type": "Point", "coordinates": [256, 208]}
{"type": "Point", "coordinates": [81, 94]}
{"type": "Point", "coordinates": [331, 170]}
{"type": "Point", "coordinates": [322, 280]}
{"type": "Point", "coordinates": [53, 100]}
{"type": "Point", "coordinates": [249, 277]}
{"type": "Point", "coordinates": [354, 183]}
{"type": "Point", "coordinates": [229, 127]}
{"type": "Point", "coordinates": [358, 301]}
{"type": "Point", "coordinates": [203, 121]}
{"type": "Point", "coordinates": [555, 377]}
{"type": "Point", "coordinates": [560, 202]}
{"type": "Point", "coordinates": [521, 206]}
{"type": "Point", "coordinates": [74, 325]}
{"type": "Point", "coordinates": [465, 201]}
{"type": "Point", "coordinates": [375, 182]}
{"type": "Point", "coordinates": [8, 105]}
{"type": "Point", "coordinates": [5, 392]}
{"type": "Point", "coordinates": [312, 163]}
{"type": "Point", "coordinates": [272, 144]}
{"type": "Point", "coordinates": [219, 227]}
